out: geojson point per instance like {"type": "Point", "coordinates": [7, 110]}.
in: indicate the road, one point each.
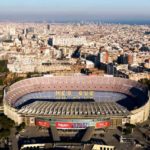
{"type": "Point", "coordinates": [13, 139]}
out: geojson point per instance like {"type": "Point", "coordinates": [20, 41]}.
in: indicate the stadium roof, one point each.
{"type": "Point", "coordinates": [74, 108]}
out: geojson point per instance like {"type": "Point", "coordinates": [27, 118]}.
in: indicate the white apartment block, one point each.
{"type": "Point", "coordinates": [68, 41]}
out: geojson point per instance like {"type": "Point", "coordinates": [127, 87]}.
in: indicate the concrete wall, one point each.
{"type": "Point", "coordinates": [12, 114]}
{"type": "Point", "coordinates": [140, 115]}
{"type": "Point", "coordinates": [137, 116]}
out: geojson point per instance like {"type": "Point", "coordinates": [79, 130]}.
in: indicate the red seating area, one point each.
{"type": "Point", "coordinates": [69, 83]}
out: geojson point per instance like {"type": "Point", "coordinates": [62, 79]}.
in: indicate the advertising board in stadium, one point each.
{"type": "Point", "coordinates": [64, 125]}
{"type": "Point", "coordinates": [102, 124]}
{"type": "Point", "coordinates": [73, 124]}
{"type": "Point", "coordinates": [70, 125]}
{"type": "Point", "coordinates": [42, 123]}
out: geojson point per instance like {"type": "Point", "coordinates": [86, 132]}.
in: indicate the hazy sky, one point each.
{"type": "Point", "coordinates": [75, 9]}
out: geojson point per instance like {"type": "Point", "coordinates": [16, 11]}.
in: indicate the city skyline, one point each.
{"type": "Point", "coordinates": [66, 10]}
{"type": "Point", "coordinates": [75, 74]}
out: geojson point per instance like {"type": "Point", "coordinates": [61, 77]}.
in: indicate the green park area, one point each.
{"type": "Point", "coordinates": [6, 125]}
{"type": "Point", "coordinates": [3, 72]}
{"type": "Point", "coordinates": [3, 66]}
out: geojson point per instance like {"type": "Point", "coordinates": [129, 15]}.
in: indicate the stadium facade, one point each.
{"type": "Point", "coordinates": [70, 102]}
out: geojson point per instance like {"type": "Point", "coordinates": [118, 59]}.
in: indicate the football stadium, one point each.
{"type": "Point", "coordinates": [76, 102]}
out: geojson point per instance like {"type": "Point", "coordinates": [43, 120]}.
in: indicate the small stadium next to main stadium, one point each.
{"type": "Point", "coordinates": [70, 102]}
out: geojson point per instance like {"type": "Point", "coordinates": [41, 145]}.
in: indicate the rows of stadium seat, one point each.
{"type": "Point", "coordinates": [30, 89]}
{"type": "Point", "coordinates": [69, 80]}
{"type": "Point", "coordinates": [21, 88]}
{"type": "Point", "coordinates": [97, 96]}
{"type": "Point", "coordinates": [15, 96]}
{"type": "Point", "coordinates": [64, 108]}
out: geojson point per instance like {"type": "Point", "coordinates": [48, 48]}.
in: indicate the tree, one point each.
{"type": "Point", "coordinates": [20, 127]}
{"type": "Point", "coordinates": [145, 82]}
{"type": "Point", "coordinates": [5, 122]}
{"type": "Point", "coordinates": [3, 66]}
{"type": "Point", "coordinates": [4, 133]}
{"type": "Point", "coordinates": [127, 131]}
{"type": "Point", "coordinates": [128, 125]}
